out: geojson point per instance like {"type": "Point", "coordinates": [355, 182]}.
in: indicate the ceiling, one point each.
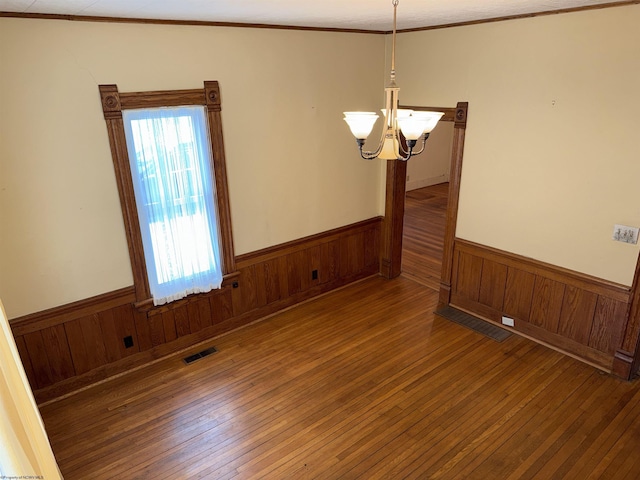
{"type": "Point", "coordinates": [346, 14]}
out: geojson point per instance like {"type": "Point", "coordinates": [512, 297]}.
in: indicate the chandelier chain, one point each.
{"type": "Point", "coordinates": [393, 43]}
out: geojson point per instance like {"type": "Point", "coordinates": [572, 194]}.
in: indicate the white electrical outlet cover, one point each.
{"type": "Point", "coordinates": [508, 321]}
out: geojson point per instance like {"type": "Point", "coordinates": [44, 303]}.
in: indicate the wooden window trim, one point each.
{"type": "Point", "coordinates": [113, 102]}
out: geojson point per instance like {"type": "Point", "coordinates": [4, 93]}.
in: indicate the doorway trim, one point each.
{"type": "Point", "coordinates": [393, 225]}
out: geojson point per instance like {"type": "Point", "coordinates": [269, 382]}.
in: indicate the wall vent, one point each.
{"type": "Point", "coordinates": [199, 355]}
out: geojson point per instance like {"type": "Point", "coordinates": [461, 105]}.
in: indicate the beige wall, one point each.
{"type": "Point", "coordinates": [292, 163]}
{"type": "Point", "coordinates": [551, 157]}
{"type": "Point", "coordinates": [432, 166]}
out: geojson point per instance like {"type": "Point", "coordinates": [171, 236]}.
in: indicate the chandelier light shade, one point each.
{"type": "Point", "coordinates": [413, 125]}
{"type": "Point", "coordinates": [360, 123]}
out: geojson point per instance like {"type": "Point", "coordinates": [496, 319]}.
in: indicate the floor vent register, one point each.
{"type": "Point", "coordinates": [474, 323]}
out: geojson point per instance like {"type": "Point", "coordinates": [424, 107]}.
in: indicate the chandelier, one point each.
{"type": "Point", "coordinates": [414, 125]}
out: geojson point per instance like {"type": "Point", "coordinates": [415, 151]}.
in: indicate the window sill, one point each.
{"type": "Point", "coordinates": [147, 306]}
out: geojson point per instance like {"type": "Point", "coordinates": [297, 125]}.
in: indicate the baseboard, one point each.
{"type": "Point", "coordinates": [426, 182]}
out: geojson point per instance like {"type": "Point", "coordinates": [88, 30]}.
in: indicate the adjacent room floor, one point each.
{"type": "Point", "coordinates": [423, 239]}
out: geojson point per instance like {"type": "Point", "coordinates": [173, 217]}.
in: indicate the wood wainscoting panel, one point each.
{"type": "Point", "coordinates": [169, 325]}
{"type": "Point", "coordinates": [518, 293]}
{"type": "Point", "coordinates": [352, 254]}
{"type": "Point", "coordinates": [23, 350]}
{"type": "Point", "coordinates": [86, 342]}
{"type": "Point", "coordinates": [52, 342]}
{"type": "Point", "coordinates": [143, 330]}
{"type": "Point", "coordinates": [467, 275]}
{"type": "Point", "coordinates": [183, 326]}
{"type": "Point", "coordinates": [330, 255]}
{"type": "Point", "coordinates": [69, 347]}
{"type": "Point", "coordinates": [297, 270]}
{"type": "Point", "coordinates": [221, 306]}
{"type": "Point", "coordinates": [155, 327]}
{"type": "Point", "coordinates": [493, 283]}
{"type": "Point", "coordinates": [577, 315]}
{"type": "Point", "coordinates": [200, 315]}
{"type": "Point", "coordinates": [193, 314]}
{"type": "Point", "coordinates": [547, 303]}
{"type": "Point", "coordinates": [116, 324]}
{"type": "Point", "coordinates": [245, 297]}
{"type": "Point", "coordinates": [58, 352]}
{"type": "Point", "coordinates": [608, 325]}
{"type": "Point", "coordinates": [42, 375]}
{"type": "Point", "coordinates": [268, 274]}
{"type": "Point", "coordinates": [581, 315]}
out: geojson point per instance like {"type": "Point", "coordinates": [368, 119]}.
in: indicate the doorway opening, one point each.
{"type": "Point", "coordinates": [427, 192]}
{"type": "Point", "coordinates": [393, 226]}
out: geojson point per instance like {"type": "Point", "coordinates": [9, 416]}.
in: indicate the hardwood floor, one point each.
{"type": "Point", "coordinates": [423, 235]}
{"type": "Point", "coordinates": [363, 383]}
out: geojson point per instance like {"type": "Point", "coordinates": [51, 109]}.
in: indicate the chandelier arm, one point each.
{"type": "Point", "coordinates": [369, 155]}
{"type": "Point", "coordinates": [408, 155]}
{"type": "Point", "coordinates": [425, 136]}
{"type": "Point", "coordinates": [401, 148]}
{"type": "Point", "coordinates": [374, 154]}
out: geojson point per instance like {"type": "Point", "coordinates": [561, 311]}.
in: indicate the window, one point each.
{"type": "Point", "coordinates": [172, 183]}
{"type": "Point", "coordinates": [169, 160]}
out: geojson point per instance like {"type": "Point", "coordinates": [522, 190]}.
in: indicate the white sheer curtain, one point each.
{"type": "Point", "coordinates": [25, 451]}
{"type": "Point", "coordinates": [170, 159]}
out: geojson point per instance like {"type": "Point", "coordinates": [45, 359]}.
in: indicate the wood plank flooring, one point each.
{"type": "Point", "coordinates": [363, 383]}
{"type": "Point", "coordinates": [423, 235]}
